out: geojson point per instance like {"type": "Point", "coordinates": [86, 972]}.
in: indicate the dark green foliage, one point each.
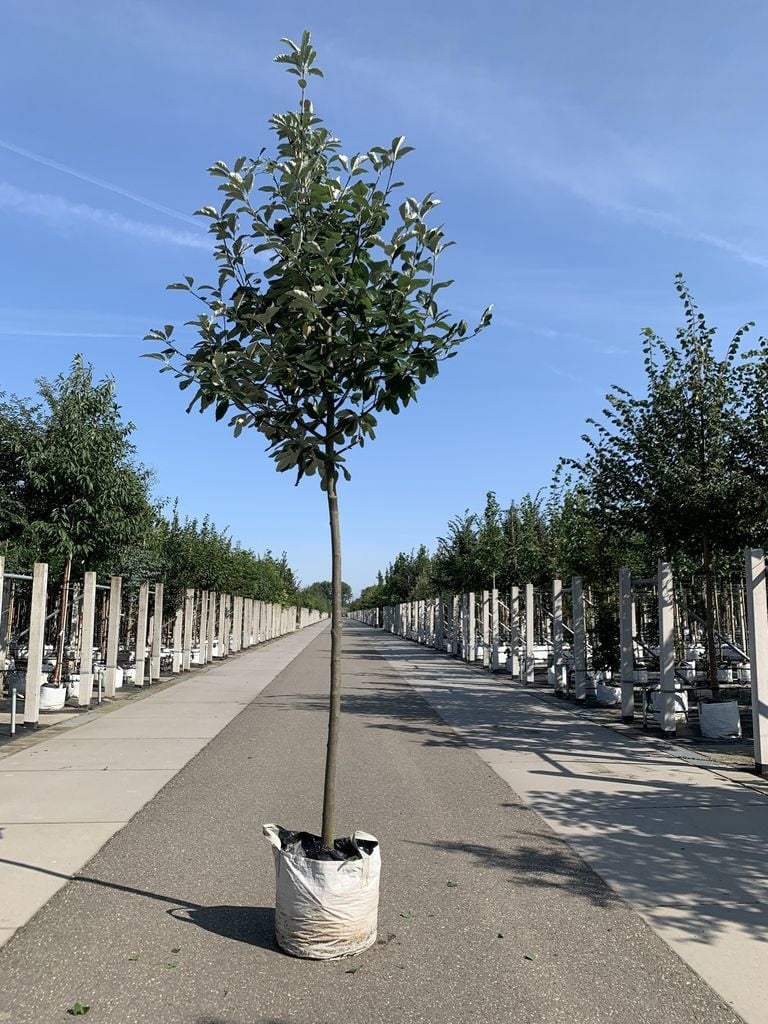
{"type": "Point", "coordinates": [72, 486]}
{"type": "Point", "coordinates": [344, 321]}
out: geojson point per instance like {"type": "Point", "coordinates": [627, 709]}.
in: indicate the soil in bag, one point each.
{"type": "Point", "coordinates": [311, 846]}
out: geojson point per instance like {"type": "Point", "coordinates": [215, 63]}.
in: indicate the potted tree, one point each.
{"type": "Point", "coordinates": [83, 496]}
{"type": "Point", "coordinates": [342, 323]}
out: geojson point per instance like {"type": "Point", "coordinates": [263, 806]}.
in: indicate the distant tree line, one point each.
{"type": "Point", "coordinates": [73, 494]}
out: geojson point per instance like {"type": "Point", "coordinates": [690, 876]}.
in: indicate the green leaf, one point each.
{"type": "Point", "coordinates": [78, 1010]}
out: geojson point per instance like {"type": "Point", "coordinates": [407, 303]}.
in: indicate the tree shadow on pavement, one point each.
{"type": "Point", "coordinates": [554, 867]}
{"type": "Point", "coordinates": [254, 925]}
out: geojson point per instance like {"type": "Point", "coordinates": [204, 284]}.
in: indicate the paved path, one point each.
{"type": "Point", "coordinates": [486, 913]}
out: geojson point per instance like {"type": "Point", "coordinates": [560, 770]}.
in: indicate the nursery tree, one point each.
{"type": "Point", "coordinates": [673, 465]}
{"type": "Point", "coordinates": [325, 312]}
{"type": "Point", "coordinates": [83, 494]}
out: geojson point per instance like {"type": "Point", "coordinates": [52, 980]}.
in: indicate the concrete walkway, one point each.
{"type": "Point", "coordinates": [64, 797]}
{"type": "Point", "coordinates": [486, 913]}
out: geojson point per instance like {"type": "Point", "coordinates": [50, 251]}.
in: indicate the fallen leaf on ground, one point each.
{"type": "Point", "coordinates": [452, 885]}
{"type": "Point", "coordinates": [134, 956]}
{"type": "Point", "coordinates": [407, 914]}
{"type": "Point", "coordinates": [499, 936]}
{"type": "Point", "coordinates": [78, 1010]}
{"type": "Point", "coordinates": [527, 956]}
{"type": "Point", "coordinates": [176, 949]}
{"type": "Point", "coordinates": [352, 970]}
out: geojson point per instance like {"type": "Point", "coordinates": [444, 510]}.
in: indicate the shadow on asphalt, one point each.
{"type": "Point", "coordinates": [254, 925]}
{"type": "Point", "coordinates": [537, 868]}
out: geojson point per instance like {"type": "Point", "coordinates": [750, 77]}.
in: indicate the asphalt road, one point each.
{"type": "Point", "coordinates": [485, 914]}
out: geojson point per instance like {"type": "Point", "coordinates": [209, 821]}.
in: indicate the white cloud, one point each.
{"type": "Point", "coordinates": [60, 212]}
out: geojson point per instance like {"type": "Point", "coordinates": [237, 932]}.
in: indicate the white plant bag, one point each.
{"type": "Point", "coordinates": [680, 704]}
{"type": "Point", "coordinates": [608, 695]}
{"type": "Point", "coordinates": [325, 909]}
{"type": "Point", "coordinates": [720, 721]}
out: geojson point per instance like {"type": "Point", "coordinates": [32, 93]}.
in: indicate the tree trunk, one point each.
{"type": "Point", "coordinates": [709, 601]}
{"type": "Point", "coordinates": [63, 609]}
{"type": "Point", "coordinates": [334, 708]}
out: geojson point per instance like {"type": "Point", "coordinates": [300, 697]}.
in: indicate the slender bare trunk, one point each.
{"type": "Point", "coordinates": [334, 708]}
{"type": "Point", "coordinates": [63, 609]}
{"type": "Point", "coordinates": [709, 600]}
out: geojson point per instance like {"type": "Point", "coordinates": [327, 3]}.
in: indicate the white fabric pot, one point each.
{"type": "Point", "coordinates": [52, 698]}
{"type": "Point", "coordinates": [325, 909]}
{"type": "Point", "coordinates": [608, 695]}
{"type": "Point", "coordinates": [720, 721]}
{"type": "Point", "coordinates": [681, 704]}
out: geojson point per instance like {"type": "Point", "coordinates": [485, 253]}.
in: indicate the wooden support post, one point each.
{"type": "Point", "coordinates": [220, 625]}
{"type": "Point", "coordinates": [85, 688]}
{"type": "Point", "coordinates": [141, 633]}
{"type": "Point", "coordinates": [626, 646]}
{"type": "Point", "coordinates": [186, 645]}
{"type": "Point", "coordinates": [202, 627]}
{"type": "Point", "coordinates": [3, 616]}
{"type": "Point", "coordinates": [227, 626]}
{"type": "Point", "coordinates": [579, 640]}
{"type": "Point", "coordinates": [211, 626]}
{"type": "Point", "coordinates": [178, 628]}
{"type": "Point", "coordinates": [36, 641]}
{"type": "Point", "coordinates": [455, 624]}
{"type": "Point", "coordinates": [470, 651]}
{"type": "Point", "coordinates": [495, 639]}
{"type": "Point", "coordinates": [157, 633]}
{"type": "Point", "coordinates": [557, 634]}
{"type": "Point", "coordinates": [113, 635]}
{"type": "Point", "coordinates": [757, 618]}
{"type": "Point", "coordinates": [530, 666]}
{"type": "Point", "coordinates": [667, 650]}
{"type": "Point", "coordinates": [485, 627]}
{"type": "Point", "coordinates": [513, 665]}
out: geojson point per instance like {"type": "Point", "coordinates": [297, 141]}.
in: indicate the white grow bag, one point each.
{"type": "Point", "coordinates": [325, 909]}
{"type": "Point", "coordinates": [607, 694]}
{"type": "Point", "coordinates": [680, 705]}
{"type": "Point", "coordinates": [720, 721]}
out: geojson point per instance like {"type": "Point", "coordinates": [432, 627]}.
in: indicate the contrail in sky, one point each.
{"type": "Point", "coordinates": [98, 182]}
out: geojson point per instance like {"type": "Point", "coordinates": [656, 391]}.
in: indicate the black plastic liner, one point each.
{"type": "Point", "coordinates": [311, 847]}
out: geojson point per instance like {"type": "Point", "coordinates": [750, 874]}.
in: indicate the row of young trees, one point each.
{"type": "Point", "coordinates": [73, 494]}
{"type": "Point", "coordinates": [679, 472]}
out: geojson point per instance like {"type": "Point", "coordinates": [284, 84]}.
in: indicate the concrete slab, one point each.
{"type": "Point", "coordinates": [78, 796]}
{"type": "Point", "coordinates": [37, 860]}
{"type": "Point", "coordinates": [159, 728]}
{"type": "Point", "coordinates": [96, 754]}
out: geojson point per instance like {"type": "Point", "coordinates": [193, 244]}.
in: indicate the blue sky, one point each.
{"type": "Point", "coordinates": [583, 152]}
